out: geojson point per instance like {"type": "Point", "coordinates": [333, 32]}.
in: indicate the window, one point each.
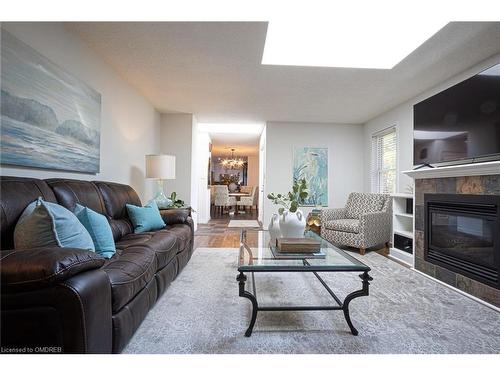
{"type": "Point", "coordinates": [384, 161]}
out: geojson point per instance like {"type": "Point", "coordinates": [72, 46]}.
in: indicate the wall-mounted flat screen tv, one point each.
{"type": "Point", "coordinates": [460, 124]}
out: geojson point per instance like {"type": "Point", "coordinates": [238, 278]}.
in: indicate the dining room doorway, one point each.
{"type": "Point", "coordinates": [233, 170]}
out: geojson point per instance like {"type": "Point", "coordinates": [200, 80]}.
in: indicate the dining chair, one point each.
{"type": "Point", "coordinates": [250, 201]}
{"type": "Point", "coordinates": [222, 198]}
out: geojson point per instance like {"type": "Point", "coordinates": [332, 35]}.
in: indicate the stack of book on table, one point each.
{"type": "Point", "coordinates": [297, 248]}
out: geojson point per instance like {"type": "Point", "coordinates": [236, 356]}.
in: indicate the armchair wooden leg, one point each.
{"type": "Point", "coordinates": [362, 250]}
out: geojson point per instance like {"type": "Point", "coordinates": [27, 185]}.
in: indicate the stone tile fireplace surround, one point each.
{"type": "Point", "coordinates": [479, 185]}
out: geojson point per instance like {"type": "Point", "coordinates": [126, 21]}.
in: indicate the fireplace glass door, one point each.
{"type": "Point", "coordinates": [462, 234]}
{"type": "Point", "coordinates": [465, 237]}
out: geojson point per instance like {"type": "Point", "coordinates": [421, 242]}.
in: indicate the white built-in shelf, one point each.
{"type": "Point", "coordinates": [473, 169]}
{"type": "Point", "coordinates": [403, 214]}
{"type": "Point", "coordinates": [404, 233]}
{"type": "Point", "coordinates": [402, 225]}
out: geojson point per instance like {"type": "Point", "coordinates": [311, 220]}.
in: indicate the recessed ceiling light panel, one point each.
{"type": "Point", "coordinates": [369, 43]}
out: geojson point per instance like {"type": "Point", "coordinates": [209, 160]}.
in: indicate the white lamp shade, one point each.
{"type": "Point", "coordinates": [160, 166]}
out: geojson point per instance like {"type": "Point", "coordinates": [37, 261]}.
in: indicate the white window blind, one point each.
{"type": "Point", "coordinates": [384, 161]}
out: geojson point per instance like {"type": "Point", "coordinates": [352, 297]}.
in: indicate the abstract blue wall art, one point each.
{"type": "Point", "coordinates": [311, 163]}
{"type": "Point", "coordinates": [49, 118]}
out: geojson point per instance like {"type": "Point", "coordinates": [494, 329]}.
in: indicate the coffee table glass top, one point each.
{"type": "Point", "coordinates": [256, 256]}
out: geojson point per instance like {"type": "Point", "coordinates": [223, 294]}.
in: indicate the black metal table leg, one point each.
{"type": "Point", "coordinates": [344, 306]}
{"type": "Point", "coordinates": [241, 278]}
{"type": "Point", "coordinates": [359, 293]}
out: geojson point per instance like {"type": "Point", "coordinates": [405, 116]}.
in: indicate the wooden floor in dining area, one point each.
{"type": "Point", "coordinates": [217, 234]}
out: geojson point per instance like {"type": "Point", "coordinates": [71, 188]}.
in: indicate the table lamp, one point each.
{"type": "Point", "coordinates": [161, 167]}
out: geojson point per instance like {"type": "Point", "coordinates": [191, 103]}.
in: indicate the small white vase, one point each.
{"type": "Point", "coordinates": [292, 224]}
{"type": "Point", "coordinates": [274, 229]}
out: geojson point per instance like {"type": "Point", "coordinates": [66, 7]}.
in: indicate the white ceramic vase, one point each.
{"type": "Point", "coordinates": [232, 187]}
{"type": "Point", "coordinates": [292, 224]}
{"type": "Point", "coordinates": [274, 228]}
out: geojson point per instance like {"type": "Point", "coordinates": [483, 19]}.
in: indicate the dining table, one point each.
{"type": "Point", "coordinates": [238, 194]}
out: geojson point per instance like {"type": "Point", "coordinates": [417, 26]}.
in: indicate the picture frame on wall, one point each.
{"type": "Point", "coordinates": [311, 163]}
{"type": "Point", "coordinates": [50, 119]}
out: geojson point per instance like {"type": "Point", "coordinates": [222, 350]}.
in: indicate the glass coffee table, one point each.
{"type": "Point", "coordinates": [256, 256]}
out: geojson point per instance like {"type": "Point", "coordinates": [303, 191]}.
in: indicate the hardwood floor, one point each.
{"type": "Point", "coordinates": [217, 234]}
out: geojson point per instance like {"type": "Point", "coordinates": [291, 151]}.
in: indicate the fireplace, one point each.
{"type": "Point", "coordinates": [462, 234]}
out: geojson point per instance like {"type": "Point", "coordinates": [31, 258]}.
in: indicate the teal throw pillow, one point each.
{"type": "Point", "coordinates": [44, 224]}
{"type": "Point", "coordinates": [145, 219]}
{"type": "Point", "coordinates": [98, 227]}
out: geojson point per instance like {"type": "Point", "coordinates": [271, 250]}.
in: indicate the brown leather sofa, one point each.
{"type": "Point", "coordinates": [73, 300]}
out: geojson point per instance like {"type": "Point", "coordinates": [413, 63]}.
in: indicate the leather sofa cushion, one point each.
{"type": "Point", "coordinates": [164, 244]}
{"type": "Point", "coordinates": [116, 197]}
{"type": "Point", "coordinates": [16, 194]}
{"type": "Point", "coordinates": [70, 192]}
{"type": "Point", "coordinates": [129, 271]}
{"type": "Point", "coordinates": [181, 232]}
{"type": "Point", "coordinates": [343, 225]}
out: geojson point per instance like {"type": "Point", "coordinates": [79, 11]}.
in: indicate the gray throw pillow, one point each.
{"type": "Point", "coordinates": [44, 224]}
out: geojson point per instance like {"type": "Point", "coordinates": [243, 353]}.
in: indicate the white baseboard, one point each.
{"type": "Point", "coordinates": [401, 256]}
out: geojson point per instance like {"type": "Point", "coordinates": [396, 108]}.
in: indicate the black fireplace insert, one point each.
{"type": "Point", "coordinates": [462, 234]}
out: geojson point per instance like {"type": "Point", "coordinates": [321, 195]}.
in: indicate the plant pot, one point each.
{"type": "Point", "coordinates": [292, 224]}
{"type": "Point", "coordinates": [274, 229]}
{"type": "Point", "coordinates": [232, 187]}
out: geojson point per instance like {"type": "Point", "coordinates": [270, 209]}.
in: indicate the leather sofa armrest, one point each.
{"type": "Point", "coordinates": [176, 216]}
{"type": "Point", "coordinates": [180, 216]}
{"type": "Point", "coordinates": [40, 267]}
{"type": "Point", "coordinates": [73, 316]}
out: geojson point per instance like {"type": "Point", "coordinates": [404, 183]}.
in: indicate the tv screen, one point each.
{"type": "Point", "coordinates": [461, 123]}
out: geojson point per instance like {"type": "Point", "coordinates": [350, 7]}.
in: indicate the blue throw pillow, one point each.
{"type": "Point", "coordinates": [45, 224]}
{"type": "Point", "coordinates": [98, 227]}
{"type": "Point", "coordinates": [145, 219]}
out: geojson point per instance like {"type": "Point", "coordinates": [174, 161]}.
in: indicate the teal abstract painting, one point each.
{"type": "Point", "coordinates": [311, 163]}
{"type": "Point", "coordinates": [49, 118]}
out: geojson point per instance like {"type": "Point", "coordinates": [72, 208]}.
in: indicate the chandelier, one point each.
{"type": "Point", "coordinates": [232, 162]}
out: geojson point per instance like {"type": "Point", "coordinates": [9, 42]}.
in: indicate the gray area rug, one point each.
{"type": "Point", "coordinates": [404, 313]}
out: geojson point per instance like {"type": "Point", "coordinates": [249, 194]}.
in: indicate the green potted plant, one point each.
{"type": "Point", "coordinates": [177, 203]}
{"type": "Point", "coordinates": [291, 220]}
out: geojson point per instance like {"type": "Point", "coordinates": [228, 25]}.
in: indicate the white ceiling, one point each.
{"type": "Point", "coordinates": [214, 71]}
{"type": "Point", "coordinates": [245, 144]}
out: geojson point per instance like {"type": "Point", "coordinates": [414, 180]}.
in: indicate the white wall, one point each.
{"type": "Point", "coordinates": [345, 159]}
{"type": "Point", "coordinates": [176, 138]}
{"type": "Point", "coordinates": [129, 124]}
{"type": "Point", "coordinates": [402, 117]}
{"type": "Point", "coordinates": [201, 156]}
{"type": "Point", "coordinates": [262, 173]}
{"type": "Point", "coordinates": [195, 152]}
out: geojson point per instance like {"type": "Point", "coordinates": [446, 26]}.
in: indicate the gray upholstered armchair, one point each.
{"type": "Point", "coordinates": [365, 221]}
